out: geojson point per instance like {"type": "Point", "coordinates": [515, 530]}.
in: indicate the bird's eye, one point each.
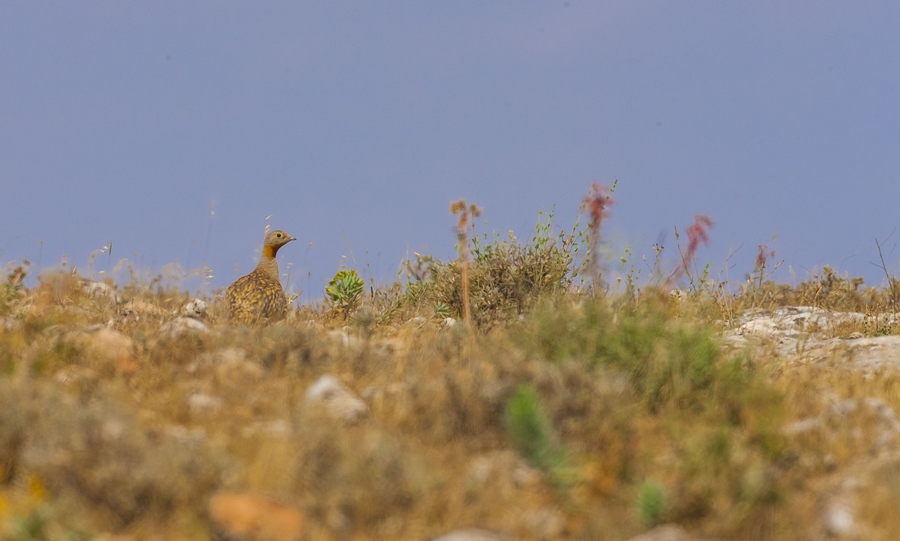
{"type": "Point", "coordinates": [278, 235]}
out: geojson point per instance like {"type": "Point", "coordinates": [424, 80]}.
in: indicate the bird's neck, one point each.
{"type": "Point", "coordinates": [267, 262]}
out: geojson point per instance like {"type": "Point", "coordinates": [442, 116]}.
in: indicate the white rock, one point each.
{"type": "Point", "coordinates": [545, 523]}
{"type": "Point", "coordinates": [791, 321]}
{"type": "Point", "coordinates": [278, 427]}
{"type": "Point", "coordinates": [204, 403]}
{"type": "Point", "coordinates": [839, 519]}
{"type": "Point", "coordinates": [182, 325]}
{"type": "Point", "coordinates": [135, 309]}
{"type": "Point", "coordinates": [230, 365]}
{"type": "Point", "coordinates": [338, 401]}
{"type": "Point", "coordinates": [100, 290]}
{"type": "Point", "coordinates": [387, 347]}
{"type": "Point", "coordinates": [473, 534]}
{"type": "Point", "coordinates": [844, 407]}
{"type": "Point", "coordinates": [106, 347]}
{"type": "Point", "coordinates": [74, 374]}
{"type": "Point", "coordinates": [802, 426]}
{"type": "Point", "coordinates": [187, 436]}
{"type": "Point", "coordinates": [666, 532]}
{"type": "Point", "coordinates": [196, 308]}
{"type": "Point", "coordinates": [341, 338]}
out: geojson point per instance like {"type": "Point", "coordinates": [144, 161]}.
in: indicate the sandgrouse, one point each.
{"type": "Point", "coordinates": [257, 299]}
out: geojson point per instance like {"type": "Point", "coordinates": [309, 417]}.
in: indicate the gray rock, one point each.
{"type": "Point", "coordinates": [229, 365]}
{"type": "Point", "coordinates": [100, 290]}
{"type": "Point", "coordinates": [196, 308]}
{"type": "Point", "coordinates": [336, 399]}
{"type": "Point", "coordinates": [473, 534]}
{"type": "Point", "coordinates": [839, 518]}
{"type": "Point", "coordinates": [545, 523]}
{"type": "Point", "coordinates": [203, 403]}
{"type": "Point", "coordinates": [183, 325]}
{"type": "Point", "coordinates": [106, 348]}
{"type": "Point", "coordinates": [277, 428]}
{"type": "Point", "coordinates": [666, 532]}
{"type": "Point", "coordinates": [417, 321]}
{"type": "Point", "coordinates": [342, 338]}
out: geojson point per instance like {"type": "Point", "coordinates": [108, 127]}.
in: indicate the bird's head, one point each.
{"type": "Point", "coordinates": [275, 239]}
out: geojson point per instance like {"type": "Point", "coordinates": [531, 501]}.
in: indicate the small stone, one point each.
{"type": "Point", "coordinates": [417, 321]}
{"type": "Point", "coordinates": [802, 426]}
{"type": "Point", "coordinates": [473, 534]}
{"type": "Point", "coordinates": [545, 523]}
{"type": "Point", "coordinates": [204, 403]}
{"type": "Point", "coordinates": [184, 325]}
{"type": "Point", "coordinates": [186, 436]}
{"type": "Point", "coordinates": [338, 401]}
{"type": "Point", "coordinates": [341, 338]}
{"type": "Point", "coordinates": [231, 365]}
{"type": "Point", "coordinates": [844, 407]}
{"type": "Point", "coordinates": [100, 290]}
{"type": "Point", "coordinates": [526, 476]}
{"type": "Point", "coordinates": [278, 428]}
{"type": "Point", "coordinates": [107, 347]}
{"type": "Point", "coordinates": [74, 374]}
{"type": "Point", "coordinates": [386, 348]}
{"type": "Point", "coordinates": [196, 308]}
{"type": "Point", "coordinates": [666, 532]}
{"type": "Point", "coordinates": [838, 519]}
{"type": "Point", "coordinates": [135, 309]}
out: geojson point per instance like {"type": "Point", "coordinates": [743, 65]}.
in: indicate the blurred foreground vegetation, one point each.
{"type": "Point", "coordinates": [600, 414]}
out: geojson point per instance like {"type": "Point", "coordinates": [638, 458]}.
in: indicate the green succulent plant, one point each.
{"type": "Point", "coordinates": [345, 290]}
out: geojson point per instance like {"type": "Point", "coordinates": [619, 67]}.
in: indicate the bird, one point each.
{"type": "Point", "coordinates": [258, 298]}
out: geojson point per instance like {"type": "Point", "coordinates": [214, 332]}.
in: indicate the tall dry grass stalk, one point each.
{"type": "Point", "coordinates": [464, 213]}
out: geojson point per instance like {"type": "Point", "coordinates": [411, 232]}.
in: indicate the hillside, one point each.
{"type": "Point", "coordinates": [557, 411]}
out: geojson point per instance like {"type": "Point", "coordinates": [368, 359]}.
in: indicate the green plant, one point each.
{"type": "Point", "coordinates": [12, 289]}
{"type": "Point", "coordinates": [533, 435]}
{"type": "Point", "coordinates": [33, 526]}
{"type": "Point", "coordinates": [651, 504]}
{"type": "Point", "coordinates": [345, 291]}
{"type": "Point", "coordinates": [506, 278]}
{"type": "Point", "coordinates": [441, 310]}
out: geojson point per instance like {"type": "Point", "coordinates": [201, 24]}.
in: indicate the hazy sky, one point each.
{"type": "Point", "coordinates": [355, 124]}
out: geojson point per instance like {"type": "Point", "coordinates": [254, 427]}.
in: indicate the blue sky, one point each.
{"type": "Point", "coordinates": [354, 125]}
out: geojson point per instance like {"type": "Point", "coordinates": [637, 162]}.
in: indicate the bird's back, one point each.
{"type": "Point", "coordinates": [256, 298]}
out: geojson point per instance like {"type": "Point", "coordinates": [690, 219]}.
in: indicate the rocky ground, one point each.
{"type": "Point", "coordinates": [817, 341]}
{"type": "Point", "coordinates": [841, 378]}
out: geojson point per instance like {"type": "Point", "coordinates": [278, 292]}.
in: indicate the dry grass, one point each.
{"type": "Point", "coordinates": [599, 416]}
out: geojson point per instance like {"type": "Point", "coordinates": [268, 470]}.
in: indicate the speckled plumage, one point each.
{"type": "Point", "coordinates": [258, 298]}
